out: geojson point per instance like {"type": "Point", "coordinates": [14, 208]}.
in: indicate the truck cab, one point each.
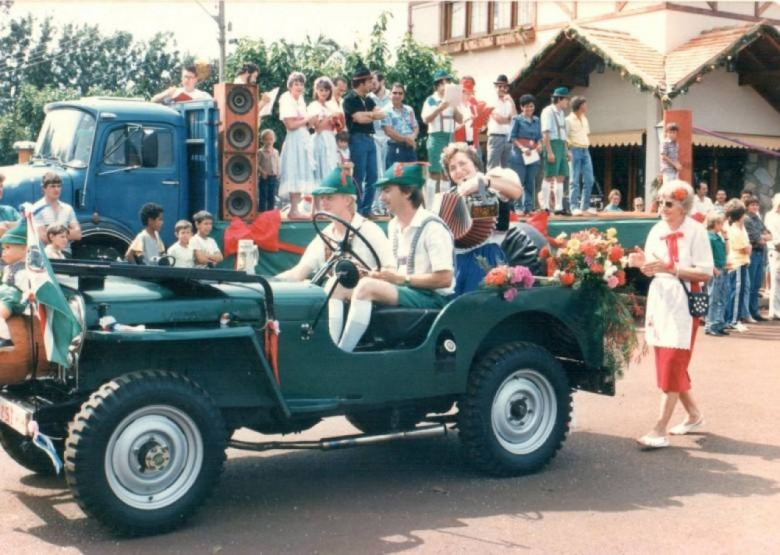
{"type": "Point", "coordinates": [114, 155]}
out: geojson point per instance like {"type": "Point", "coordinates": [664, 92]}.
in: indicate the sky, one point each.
{"type": "Point", "coordinates": [195, 30]}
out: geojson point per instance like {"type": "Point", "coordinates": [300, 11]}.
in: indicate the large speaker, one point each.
{"type": "Point", "coordinates": [238, 123]}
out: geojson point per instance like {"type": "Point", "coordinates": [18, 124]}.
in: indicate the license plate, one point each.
{"type": "Point", "coordinates": [15, 415]}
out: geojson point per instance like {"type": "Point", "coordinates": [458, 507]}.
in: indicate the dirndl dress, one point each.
{"type": "Point", "coordinates": [468, 271]}
{"type": "Point", "coordinates": [324, 147]}
{"type": "Point", "coordinates": [296, 164]}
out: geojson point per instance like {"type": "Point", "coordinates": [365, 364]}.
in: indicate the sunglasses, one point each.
{"type": "Point", "coordinates": [668, 204]}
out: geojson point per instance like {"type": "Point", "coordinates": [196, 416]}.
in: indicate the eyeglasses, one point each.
{"type": "Point", "coordinates": [668, 204]}
{"type": "Point", "coordinates": [53, 184]}
{"type": "Point", "coordinates": [397, 93]}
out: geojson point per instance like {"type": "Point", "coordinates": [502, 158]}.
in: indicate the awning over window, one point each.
{"type": "Point", "coordinates": [764, 141]}
{"type": "Point", "coordinates": [617, 138]}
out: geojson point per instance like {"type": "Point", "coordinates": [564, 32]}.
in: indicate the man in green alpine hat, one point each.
{"type": "Point", "coordinates": [14, 243]}
{"type": "Point", "coordinates": [423, 248]}
{"type": "Point", "coordinates": [440, 118]}
{"type": "Point", "coordinates": [338, 196]}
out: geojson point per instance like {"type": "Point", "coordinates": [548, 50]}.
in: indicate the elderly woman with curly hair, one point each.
{"type": "Point", "coordinates": [462, 165]}
{"type": "Point", "coordinates": [678, 257]}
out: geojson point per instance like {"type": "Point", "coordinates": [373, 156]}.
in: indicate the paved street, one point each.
{"type": "Point", "coordinates": [714, 492]}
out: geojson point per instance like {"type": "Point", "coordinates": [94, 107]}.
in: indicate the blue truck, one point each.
{"type": "Point", "coordinates": [114, 155]}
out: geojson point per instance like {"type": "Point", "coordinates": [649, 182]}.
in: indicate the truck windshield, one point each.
{"type": "Point", "coordinates": [66, 136]}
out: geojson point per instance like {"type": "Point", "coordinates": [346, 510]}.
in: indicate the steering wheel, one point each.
{"type": "Point", "coordinates": [343, 247]}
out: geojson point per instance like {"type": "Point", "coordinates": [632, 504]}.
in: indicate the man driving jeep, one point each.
{"type": "Point", "coordinates": [424, 253]}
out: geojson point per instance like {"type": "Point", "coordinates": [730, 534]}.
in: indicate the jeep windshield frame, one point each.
{"type": "Point", "coordinates": [66, 137]}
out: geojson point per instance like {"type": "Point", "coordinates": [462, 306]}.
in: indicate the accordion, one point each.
{"type": "Point", "coordinates": [471, 219]}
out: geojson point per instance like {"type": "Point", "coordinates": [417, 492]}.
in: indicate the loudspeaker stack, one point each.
{"type": "Point", "coordinates": [238, 139]}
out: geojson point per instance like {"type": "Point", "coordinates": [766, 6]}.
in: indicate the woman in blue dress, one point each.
{"type": "Point", "coordinates": [526, 137]}
{"type": "Point", "coordinates": [324, 122]}
{"type": "Point", "coordinates": [464, 169]}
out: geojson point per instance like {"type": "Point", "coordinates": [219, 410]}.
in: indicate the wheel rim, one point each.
{"type": "Point", "coordinates": [523, 412]}
{"type": "Point", "coordinates": [153, 457]}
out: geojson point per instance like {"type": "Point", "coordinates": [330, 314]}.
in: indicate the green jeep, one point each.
{"type": "Point", "coordinates": [142, 419]}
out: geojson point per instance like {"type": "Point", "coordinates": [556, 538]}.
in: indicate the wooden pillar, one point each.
{"type": "Point", "coordinates": [684, 121]}
{"type": "Point", "coordinates": [607, 173]}
{"type": "Point", "coordinates": [714, 185]}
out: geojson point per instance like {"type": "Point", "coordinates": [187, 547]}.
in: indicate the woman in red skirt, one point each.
{"type": "Point", "coordinates": [677, 248]}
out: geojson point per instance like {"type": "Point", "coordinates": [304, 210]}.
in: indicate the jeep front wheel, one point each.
{"type": "Point", "coordinates": [516, 412]}
{"type": "Point", "coordinates": [144, 452]}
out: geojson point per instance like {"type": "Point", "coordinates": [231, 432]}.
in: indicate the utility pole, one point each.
{"type": "Point", "coordinates": [220, 19]}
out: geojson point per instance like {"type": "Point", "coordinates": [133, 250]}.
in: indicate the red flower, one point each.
{"type": "Point", "coordinates": [551, 266]}
{"type": "Point", "coordinates": [588, 249]}
{"type": "Point", "coordinates": [545, 252]}
{"type": "Point", "coordinates": [567, 279]}
{"type": "Point", "coordinates": [615, 253]}
{"type": "Point", "coordinates": [621, 275]}
{"type": "Point", "coordinates": [496, 277]}
{"type": "Point", "coordinates": [679, 194]}
{"type": "Point", "coordinates": [597, 268]}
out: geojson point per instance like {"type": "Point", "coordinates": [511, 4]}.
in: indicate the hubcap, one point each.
{"type": "Point", "coordinates": [523, 412]}
{"type": "Point", "coordinates": [153, 457]}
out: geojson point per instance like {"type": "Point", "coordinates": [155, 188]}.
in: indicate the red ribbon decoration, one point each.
{"type": "Point", "coordinates": [671, 245]}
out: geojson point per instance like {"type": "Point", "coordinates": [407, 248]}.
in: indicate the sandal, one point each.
{"type": "Point", "coordinates": [653, 442]}
{"type": "Point", "coordinates": [683, 428]}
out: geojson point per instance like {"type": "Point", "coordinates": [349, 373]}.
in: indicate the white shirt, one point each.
{"type": "Point", "coordinates": [502, 107]}
{"type": "Point", "coordinates": [383, 103]}
{"type": "Point", "coordinates": [206, 244]}
{"type": "Point", "coordinates": [667, 321]}
{"type": "Point", "coordinates": [772, 223]}
{"type": "Point", "coordinates": [434, 251]}
{"type": "Point", "coordinates": [44, 214]}
{"type": "Point", "coordinates": [291, 108]}
{"type": "Point", "coordinates": [702, 206]}
{"type": "Point", "coordinates": [444, 122]}
{"type": "Point", "coordinates": [314, 256]}
{"type": "Point", "coordinates": [184, 256]}
{"type": "Point", "coordinates": [147, 245]}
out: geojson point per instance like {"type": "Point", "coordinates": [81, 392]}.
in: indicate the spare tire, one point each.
{"type": "Point", "coordinates": [521, 247]}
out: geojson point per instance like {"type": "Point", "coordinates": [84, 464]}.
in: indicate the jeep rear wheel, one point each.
{"type": "Point", "coordinates": [22, 450]}
{"type": "Point", "coordinates": [516, 412]}
{"type": "Point", "coordinates": [144, 452]}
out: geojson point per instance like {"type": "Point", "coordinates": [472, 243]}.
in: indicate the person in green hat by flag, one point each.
{"type": "Point", "coordinates": [338, 196]}
{"type": "Point", "coordinates": [13, 280]}
{"type": "Point", "coordinates": [423, 248]}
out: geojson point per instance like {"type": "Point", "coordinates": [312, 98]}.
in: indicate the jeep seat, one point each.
{"type": "Point", "coordinates": [396, 327]}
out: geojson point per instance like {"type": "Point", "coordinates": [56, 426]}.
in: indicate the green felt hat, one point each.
{"type": "Point", "coordinates": [17, 235]}
{"type": "Point", "coordinates": [561, 91]}
{"type": "Point", "coordinates": [440, 74]}
{"type": "Point", "coordinates": [336, 182]}
{"type": "Point", "coordinates": [411, 174]}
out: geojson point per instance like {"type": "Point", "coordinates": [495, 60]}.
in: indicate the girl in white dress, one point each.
{"type": "Point", "coordinates": [326, 156]}
{"type": "Point", "coordinates": [296, 166]}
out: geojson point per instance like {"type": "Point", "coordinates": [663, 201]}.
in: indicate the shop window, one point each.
{"type": "Point", "coordinates": [468, 19]}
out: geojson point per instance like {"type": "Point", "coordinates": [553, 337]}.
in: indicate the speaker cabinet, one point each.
{"type": "Point", "coordinates": [238, 123]}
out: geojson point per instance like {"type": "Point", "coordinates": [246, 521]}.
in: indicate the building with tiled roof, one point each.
{"type": "Point", "coordinates": [721, 60]}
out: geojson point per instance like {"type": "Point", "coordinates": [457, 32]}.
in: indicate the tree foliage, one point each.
{"type": "Point", "coordinates": [43, 61]}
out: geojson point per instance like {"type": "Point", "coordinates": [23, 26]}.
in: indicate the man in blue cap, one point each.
{"type": "Point", "coordinates": [440, 118]}
{"type": "Point", "coordinates": [554, 150]}
{"type": "Point", "coordinates": [14, 243]}
{"type": "Point", "coordinates": [424, 255]}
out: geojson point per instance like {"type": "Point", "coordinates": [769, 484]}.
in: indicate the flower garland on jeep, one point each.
{"type": "Point", "coordinates": [595, 260]}
{"type": "Point", "coordinates": [507, 279]}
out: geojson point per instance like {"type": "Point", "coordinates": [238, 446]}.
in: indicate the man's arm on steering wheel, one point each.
{"type": "Point", "coordinates": [433, 280]}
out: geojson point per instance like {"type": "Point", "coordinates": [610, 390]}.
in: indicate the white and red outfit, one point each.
{"type": "Point", "coordinates": [669, 327]}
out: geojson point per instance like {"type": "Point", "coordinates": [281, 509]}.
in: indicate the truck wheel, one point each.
{"type": "Point", "coordinates": [516, 412]}
{"type": "Point", "coordinates": [22, 450]}
{"type": "Point", "coordinates": [144, 452]}
{"type": "Point", "coordinates": [382, 421]}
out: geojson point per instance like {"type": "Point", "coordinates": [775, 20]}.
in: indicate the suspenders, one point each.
{"type": "Point", "coordinates": [410, 258]}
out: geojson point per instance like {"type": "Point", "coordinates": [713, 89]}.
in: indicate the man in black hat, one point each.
{"type": "Point", "coordinates": [499, 125]}
{"type": "Point", "coordinates": [360, 112]}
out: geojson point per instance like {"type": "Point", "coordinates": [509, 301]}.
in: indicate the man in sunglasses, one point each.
{"type": "Point", "coordinates": [51, 210]}
{"type": "Point", "coordinates": [401, 128]}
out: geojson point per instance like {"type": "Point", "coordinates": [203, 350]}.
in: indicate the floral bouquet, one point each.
{"type": "Point", "coordinates": [588, 257]}
{"type": "Point", "coordinates": [507, 279]}
{"type": "Point", "coordinates": [595, 260]}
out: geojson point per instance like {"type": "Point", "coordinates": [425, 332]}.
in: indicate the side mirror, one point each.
{"type": "Point", "coordinates": [149, 149]}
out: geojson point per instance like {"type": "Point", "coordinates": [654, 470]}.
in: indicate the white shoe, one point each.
{"type": "Point", "coordinates": [576, 212]}
{"type": "Point", "coordinates": [740, 327]}
{"type": "Point", "coordinates": [592, 211]}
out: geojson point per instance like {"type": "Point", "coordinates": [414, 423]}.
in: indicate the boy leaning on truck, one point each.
{"type": "Point", "coordinates": [147, 246]}
{"type": "Point", "coordinates": [14, 242]}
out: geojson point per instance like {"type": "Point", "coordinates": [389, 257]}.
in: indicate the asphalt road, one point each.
{"type": "Point", "coordinates": [713, 492]}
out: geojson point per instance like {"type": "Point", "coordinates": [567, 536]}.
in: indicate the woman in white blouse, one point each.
{"type": "Point", "coordinates": [677, 248]}
{"type": "Point", "coordinates": [296, 165]}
